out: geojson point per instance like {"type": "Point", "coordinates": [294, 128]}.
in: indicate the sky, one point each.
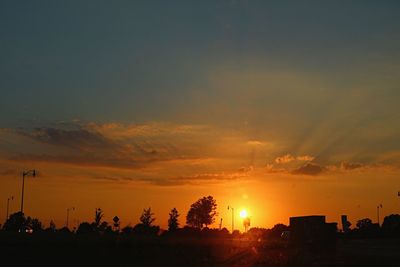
{"type": "Point", "coordinates": [283, 108]}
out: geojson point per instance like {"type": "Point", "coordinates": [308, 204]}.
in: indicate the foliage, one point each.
{"type": "Point", "coordinates": [52, 226]}
{"type": "Point", "coordinates": [104, 228]}
{"type": "Point", "coordinates": [257, 233]}
{"type": "Point", "coordinates": [85, 228]}
{"type": "Point", "coordinates": [142, 229]}
{"type": "Point", "coordinates": [18, 222]}
{"type": "Point", "coordinates": [34, 224]}
{"type": "Point", "coordinates": [364, 223]}
{"type": "Point", "coordinates": [391, 224]}
{"type": "Point", "coordinates": [15, 222]}
{"type": "Point", "coordinates": [127, 230]}
{"type": "Point", "coordinates": [64, 230]}
{"type": "Point", "coordinates": [367, 229]}
{"type": "Point", "coordinates": [202, 212]}
{"type": "Point", "coordinates": [277, 230]}
{"type": "Point", "coordinates": [173, 223]}
{"type": "Point", "coordinates": [98, 216]}
{"type": "Point", "coordinates": [147, 217]}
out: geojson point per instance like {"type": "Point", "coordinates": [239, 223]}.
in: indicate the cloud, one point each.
{"type": "Point", "coordinates": [309, 169]}
{"type": "Point", "coordinates": [120, 131]}
{"type": "Point", "coordinates": [207, 177]}
{"type": "Point", "coordinates": [350, 166]}
{"type": "Point", "coordinates": [255, 143]}
{"type": "Point", "coordinates": [79, 138]}
{"type": "Point", "coordinates": [152, 152]}
{"type": "Point", "coordinates": [284, 159]}
{"type": "Point", "coordinates": [305, 158]}
{"type": "Point", "coordinates": [84, 145]}
{"type": "Point", "coordinates": [190, 179]}
{"type": "Point", "coordinates": [289, 158]}
{"type": "Point", "coordinates": [160, 153]}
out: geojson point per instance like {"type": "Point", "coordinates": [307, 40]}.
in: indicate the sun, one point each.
{"type": "Point", "coordinates": [243, 213]}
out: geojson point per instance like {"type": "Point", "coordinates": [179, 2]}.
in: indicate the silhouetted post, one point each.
{"type": "Point", "coordinates": [73, 208]}
{"type": "Point", "coordinates": [233, 216]}
{"type": "Point", "coordinates": [25, 173]}
{"type": "Point", "coordinates": [8, 205]}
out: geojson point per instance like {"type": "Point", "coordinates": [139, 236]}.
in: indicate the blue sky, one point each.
{"type": "Point", "coordinates": [141, 61]}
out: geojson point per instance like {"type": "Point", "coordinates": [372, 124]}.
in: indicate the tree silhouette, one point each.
{"type": "Point", "coordinates": [364, 223]}
{"type": "Point", "coordinates": [17, 222]}
{"type": "Point", "coordinates": [147, 217]}
{"type": "Point", "coordinates": [64, 230]}
{"type": "Point", "coordinates": [52, 226]}
{"type": "Point", "coordinates": [127, 230]}
{"type": "Point", "coordinates": [391, 224]}
{"type": "Point", "coordinates": [173, 223]}
{"type": "Point", "coordinates": [104, 228]}
{"type": "Point", "coordinates": [85, 228]}
{"type": "Point", "coordinates": [98, 216]}
{"type": "Point", "coordinates": [365, 228]}
{"type": "Point", "coordinates": [145, 226]}
{"type": "Point", "coordinates": [202, 212]}
{"type": "Point", "coordinates": [276, 231]}
{"type": "Point", "coordinates": [34, 224]}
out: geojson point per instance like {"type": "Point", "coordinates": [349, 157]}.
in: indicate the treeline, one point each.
{"type": "Point", "coordinates": [365, 228]}
{"type": "Point", "coordinates": [201, 214]}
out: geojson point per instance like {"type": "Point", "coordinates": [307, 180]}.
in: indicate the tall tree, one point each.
{"type": "Point", "coordinates": [202, 212]}
{"type": "Point", "coordinates": [147, 217]}
{"type": "Point", "coordinates": [173, 223]}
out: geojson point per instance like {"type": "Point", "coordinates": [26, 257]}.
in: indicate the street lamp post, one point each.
{"type": "Point", "coordinates": [8, 205]}
{"type": "Point", "coordinates": [25, 173]}
{"type": "Point", "coordinates": [72, 208]}
{"type": "Point", "coordinates": [233, 216]}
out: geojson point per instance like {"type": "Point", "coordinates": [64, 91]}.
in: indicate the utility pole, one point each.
{"type": "Point", "coordinates": [8, 205]}
{"type": "Point", "coordinates": [25, 173]}
{"type": "Point", "coordinates": [233, 216]}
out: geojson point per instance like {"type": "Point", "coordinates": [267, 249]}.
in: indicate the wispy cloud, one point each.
{"type": "Point", "coordinates": [163, 153]}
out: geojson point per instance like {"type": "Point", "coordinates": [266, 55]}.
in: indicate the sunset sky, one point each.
{"type": "Point", "coordinates": [282, 108]}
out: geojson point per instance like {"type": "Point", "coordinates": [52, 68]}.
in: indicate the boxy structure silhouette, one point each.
{"type": "Point", "coordinates": [312, 231]}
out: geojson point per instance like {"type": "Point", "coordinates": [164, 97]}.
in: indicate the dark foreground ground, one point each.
{"type": "Point", "coordinates": [66, 250]}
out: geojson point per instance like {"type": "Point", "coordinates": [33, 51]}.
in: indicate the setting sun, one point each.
{"type": "Point", "coordinates": [243, 213]}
